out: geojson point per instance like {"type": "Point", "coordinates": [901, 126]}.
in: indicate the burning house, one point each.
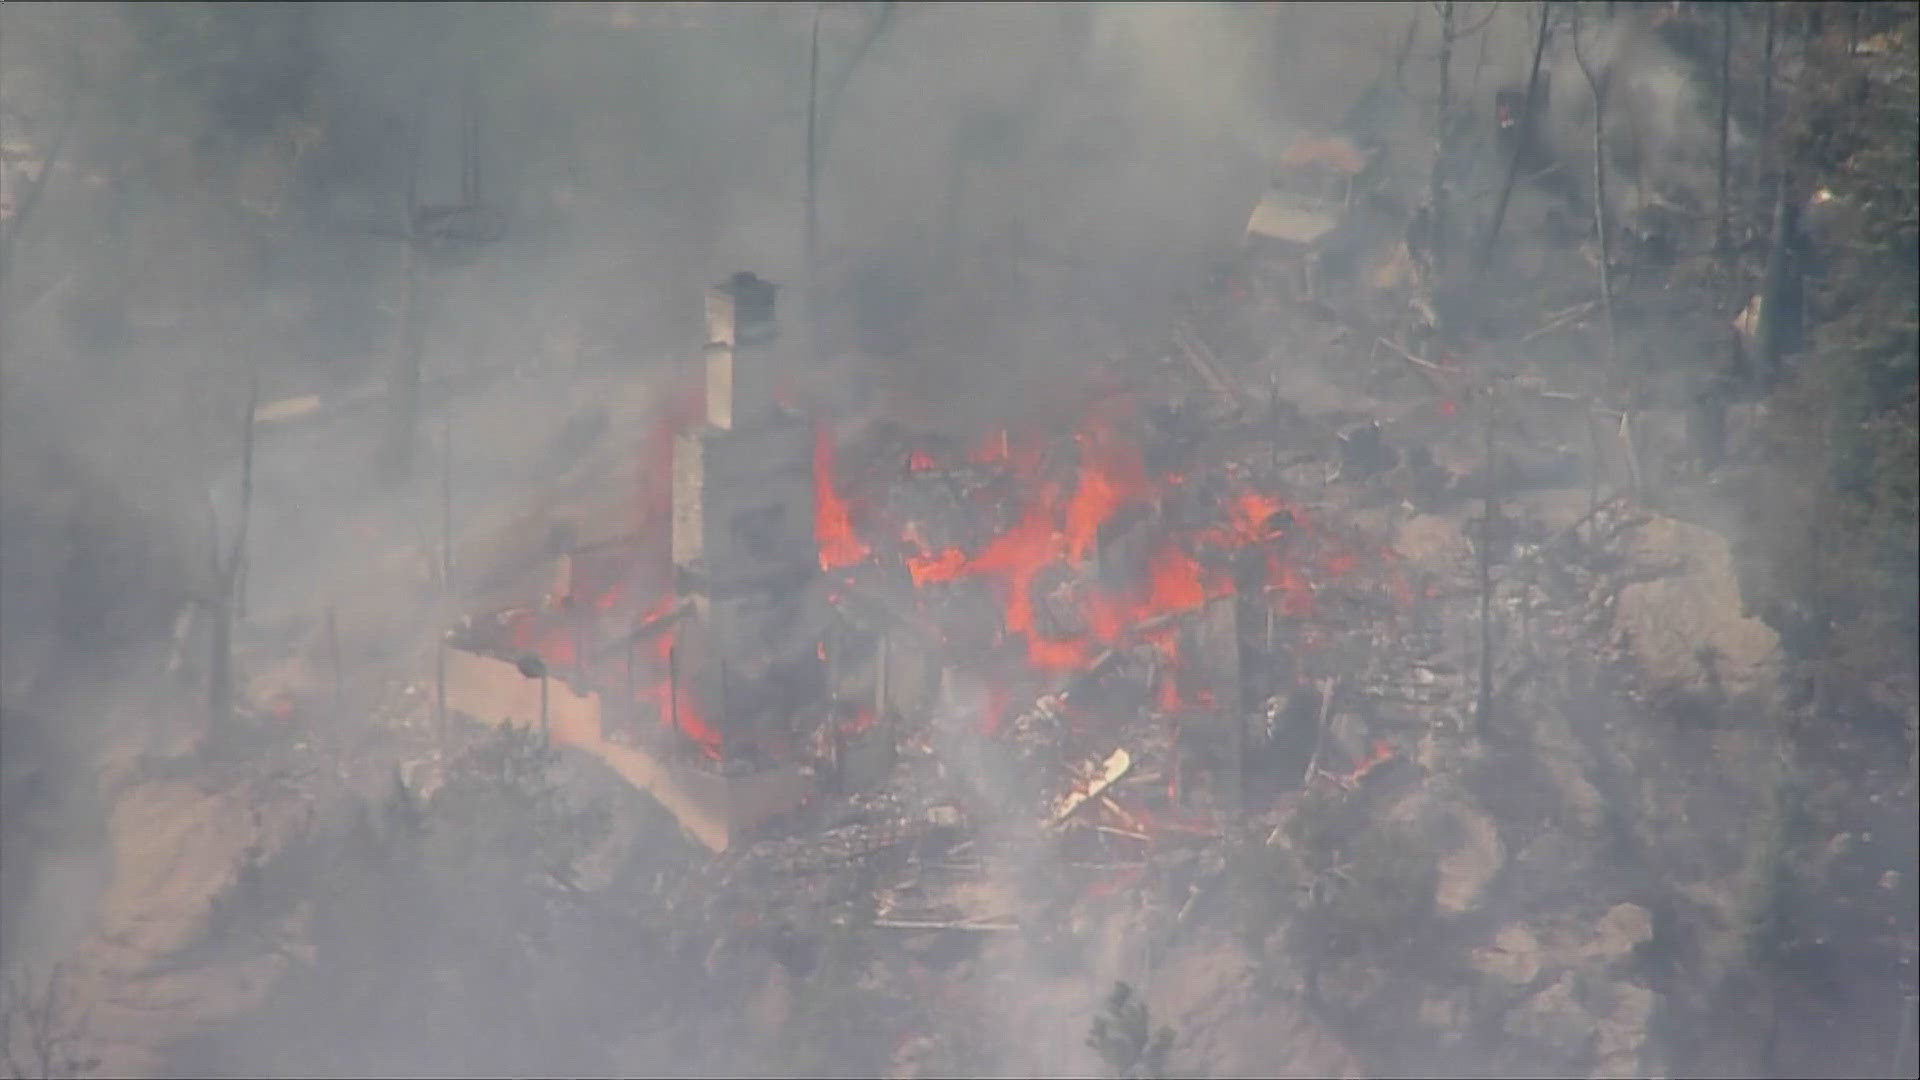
{"type": "Point", "coordinates": [1105, 585]}
{"type": "Point", "coordinates": [704, 696]}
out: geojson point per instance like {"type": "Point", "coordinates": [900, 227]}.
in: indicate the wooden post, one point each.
{"type": "Point", "coordinates": [441, 727]}
{"type": "Point", "coordinates": [632, 700]}
{"type": "Point", "coordinates": [333, 661]}
{"type": "Point", "coordinates": [335, 730]}
{"type": "Point", "coordinates": [880, 680]}
{"type": "Point", "coordinates": [673, 688]}
{"type": "Point", "coordinates": [577, 618]}
{"type": "Point", "coordinates": [446, 502]}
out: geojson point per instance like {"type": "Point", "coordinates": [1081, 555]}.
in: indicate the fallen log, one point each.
{"type": "Point", "coordinates": [1558, 320]}
{"type": "Point", "coordinates": [1439, 376]}
{"type": "Point", "coordinates": [932, 924]}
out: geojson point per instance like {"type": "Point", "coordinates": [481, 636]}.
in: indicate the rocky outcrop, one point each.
{"type": "Point", "coordinates": [1685, 625]}
{"type": "Point", "coordinates": [1465, 841]}
{"type": "Point", "coordinates": [1567, 1000]}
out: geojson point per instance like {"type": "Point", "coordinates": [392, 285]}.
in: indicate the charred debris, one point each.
{"type": "Point", "coordinates": [1116, 647]}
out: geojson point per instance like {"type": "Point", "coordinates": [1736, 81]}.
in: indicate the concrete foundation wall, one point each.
{"type": "Point", "coordinates": [493, 691]}
{"type": "Point", "coordinates": [718, 811]}
{"type": "Point", "coordinates": [743, 502]}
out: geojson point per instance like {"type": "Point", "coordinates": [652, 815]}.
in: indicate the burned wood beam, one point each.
{"type": "Point", "coordinates": [1557, 320]}
{"type": "Point", "coordinates": [1327, 688]}
{"type": "Point", "coordinates": [646, 631]}
{"type": "Point", "coordinates": [1110, 772]}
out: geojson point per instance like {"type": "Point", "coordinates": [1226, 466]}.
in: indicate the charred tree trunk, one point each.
{"type": "Point", "coordinates": [446, 503]}
{"type": "Point", "coordinates": [403, 378]}
{"type": "Point", "coordinates": [1598, 80]}
{"type": "Point", "coordinates": [1483, 707]}
{"type": "Point", "coordinates": [219, 669]}
{"type": "Point", "coordinates": [811, 251]}
{"type": "Point", "coordinates": [1723, 236]}
{"type": "Point", "coordinates": [237, 558]}
{"type": "Point", "coordinates": [223, 583]}
{"type": "Point", "coordinates": [446, 576]}
{"type": "Point", "coordinates": [403, 382]}
{"type": "Point", "coordinates": [1778, 332]}
{"type": "Point", "coordinates": [1766, 96]}
{"type": "Point", "coordinates": [1545, 15]}
{"type": "Point", "coordinates": [1437, 186]}
{"type": "Point", "coordinates": [333, 666]}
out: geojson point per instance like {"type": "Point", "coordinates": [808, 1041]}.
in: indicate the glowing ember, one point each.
{"type": "Point", "coordinates": [686, 718]}
{"type": "Point", "coordinates": [858, 722]}
{"type": "Point", "coordinates": [1050, 531]}
{"type": "Point", "coordinates": [1049, 547]}
{"type": "Point", "coordinates": [1177, 581]}
{"type": "Point", "coordinates": [927, 569]}
{"type": "Point", "coordinates": [1111, 475]}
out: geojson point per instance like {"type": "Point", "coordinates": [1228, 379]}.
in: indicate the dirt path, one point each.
{"type": "Point", "coordinates": [174, 846]}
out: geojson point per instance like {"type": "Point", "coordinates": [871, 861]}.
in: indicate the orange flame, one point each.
{"type": "Point", "coordinates": [1111, 474]}
{"type": "Point", "coordinates": [832, 524]}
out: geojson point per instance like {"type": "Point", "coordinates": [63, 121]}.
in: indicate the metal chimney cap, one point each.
{"type": "Point", "coordinates": [747, 285]}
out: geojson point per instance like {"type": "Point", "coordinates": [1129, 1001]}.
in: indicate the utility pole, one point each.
{"type": "Point", "coordinates": [437, 234]}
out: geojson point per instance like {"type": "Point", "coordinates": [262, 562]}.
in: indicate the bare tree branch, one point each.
{"type": "Point", "coordinates": [1545, 13]}
{"type": "Point", "coordinates": [43, 1028]}
{"type": "Point", "coordinates": [24, 212]}
{"type": "Point", "coordinates": [1406, 50]}
{"type": "Point", "coordinates": [1599, 79]}
{"type": "Point", "coordinates": [1474, 28]}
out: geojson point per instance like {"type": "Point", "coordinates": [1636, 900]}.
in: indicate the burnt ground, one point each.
{"type": "Point", "coordinates": [1599, 930]}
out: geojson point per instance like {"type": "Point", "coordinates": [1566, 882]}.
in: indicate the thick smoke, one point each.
{"type": "Point", "coordinates": [1002, 191]}
{"type": "Point", "coordinates": [1006, 195]}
